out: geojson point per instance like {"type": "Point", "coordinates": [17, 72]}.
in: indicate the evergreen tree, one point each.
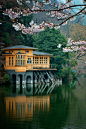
{"type": "Point", "coordinates": [48, 41]}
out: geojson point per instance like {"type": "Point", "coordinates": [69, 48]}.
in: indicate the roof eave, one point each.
{"type": "Point", "coordinates": [42, 55]}
{"type": "Point", "coordinates": [19, 48]}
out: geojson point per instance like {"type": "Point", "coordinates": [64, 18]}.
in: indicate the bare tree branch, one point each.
{"type": "Point", "coordinates": [72, 16]}
{"type": "Point", "coordinates": [79, 19]}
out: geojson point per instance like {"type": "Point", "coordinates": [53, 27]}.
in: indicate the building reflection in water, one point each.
{"type": "Point", "coordinates": [24, 107]}
{"type": "Point", "coordinates": [29, 90]}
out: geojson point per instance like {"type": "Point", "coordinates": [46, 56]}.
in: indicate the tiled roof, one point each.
{"type": "Point", "coordinates": [19, 47]}
{"type": "Point", "coordinates": [41, 53]}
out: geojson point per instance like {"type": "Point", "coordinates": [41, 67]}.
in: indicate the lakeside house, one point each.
{"type": "Point", "coordinates": [27, 65]}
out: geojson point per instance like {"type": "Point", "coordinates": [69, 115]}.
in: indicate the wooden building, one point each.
{"type": "Point", "coordinates": [27, 65]}
{"type": "Point", "coordinates": [22, 58]}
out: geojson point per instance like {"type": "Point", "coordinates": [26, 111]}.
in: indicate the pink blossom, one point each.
{"type": "Point", "coordinates": [72, 19]}
{"type": "Point", "coordinates": [57, 27]}
{"type": "Point", "coordinates": [65, 13]}
{"type": "Point", "coordinates": [65, 23]}
{"type": "Point", "coordinates": [67, 50]}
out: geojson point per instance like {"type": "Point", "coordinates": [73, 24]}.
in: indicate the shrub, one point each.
{"type": "Point", "coordinates": [6, 77]}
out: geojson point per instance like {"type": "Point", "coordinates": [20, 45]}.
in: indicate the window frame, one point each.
{"type": "Point", "coordinates": [29, 61]}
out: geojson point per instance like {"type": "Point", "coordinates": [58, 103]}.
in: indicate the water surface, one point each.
{"type": "Point", "coordinates": [64, 108]}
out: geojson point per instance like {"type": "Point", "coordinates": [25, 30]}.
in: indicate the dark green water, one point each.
{"type": "Point", "coordinates": [65, 108]}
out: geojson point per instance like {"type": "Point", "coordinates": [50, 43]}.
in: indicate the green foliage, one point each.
{"type": "Point", "coordinates": [49, 38]}
{"type": "Point", "coordinates": [6, 77]}
{"type": "Point", "coordinates": [68, 72]}
{"type": "Point", "coordinates": [7, 33]}
{"type": "Point", "coordinates": [7, 90]}
{"type": "Point", "coordinates": [27, 39]}
{"type": "Point", "coordinates": [72, 63]}
{"type": "Point", "coordinates": [6, 38]}
{"type": "Point", "coordinates": [47, 41]}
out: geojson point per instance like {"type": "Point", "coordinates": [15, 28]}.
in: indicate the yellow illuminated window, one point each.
{"type": "Point", "coordinates": [20, 60]}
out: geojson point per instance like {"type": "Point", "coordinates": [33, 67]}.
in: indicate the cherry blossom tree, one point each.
{"type": "Point", "coordinates": [79, 48]}
{"type": "Point", "coordinates": [61, 11]}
